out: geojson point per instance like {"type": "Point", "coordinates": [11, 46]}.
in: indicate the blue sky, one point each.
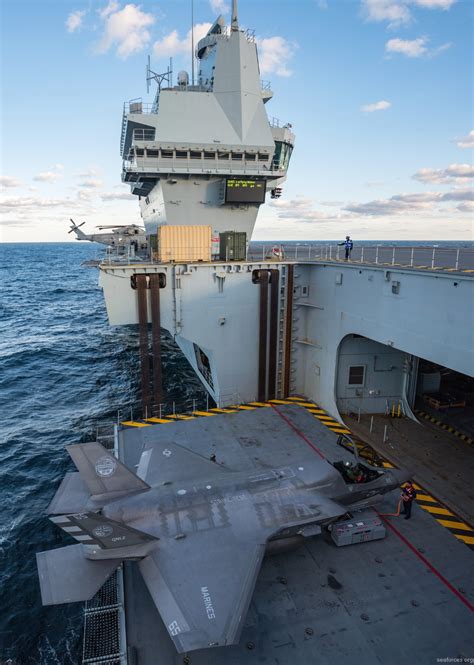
{"type": "Point", "coordinates": [379, 93]}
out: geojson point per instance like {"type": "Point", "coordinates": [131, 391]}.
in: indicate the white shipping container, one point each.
{"type": "Point", "coordinates": [184, 243]}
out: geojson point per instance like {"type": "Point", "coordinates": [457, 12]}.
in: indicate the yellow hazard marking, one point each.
{"type": "Point", "coordinates": [388, 465]}
{"type": "Point", "coordinates": [436, 509]}
{"type": "Point", "coordinates": [217, 410]}
{"type": "Point", "coordinates": [259, 404]}
{"type": "Point", "coordinates": [456, 525]}
{"type": "Point", "coordinates": [425, 497]}
{"type": "Point", "coordinates": [204, 413]}
{"type": "Point", "coordinates": [340, 430]}
{"type": "Point", "coordinates": [134, 423]}
{"type": "Point", "coordinates": [469, 540]}
{"type": "Point", "coordinates": [279, 401]}
{"type": "Point", "coordinates": [309, 405]}
{"type": "Point", "coordinates": [242, 407]}
{"type": "Point", "coordinates": [156, 420]}
{"type": "Point", "coordinates": [316, 412]}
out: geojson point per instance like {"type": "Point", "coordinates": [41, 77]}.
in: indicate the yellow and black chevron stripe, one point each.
{"type": "Point", "coordinates": [444, 426]}
{"type": "Point", "coordinates": [445, 517]}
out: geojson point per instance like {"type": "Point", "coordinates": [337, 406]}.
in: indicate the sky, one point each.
{"type": "Point", "coordinates": [379, 94]}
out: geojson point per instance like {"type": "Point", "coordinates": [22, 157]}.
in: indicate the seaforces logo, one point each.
{"type": "Point", "coordinates": [105, 466]}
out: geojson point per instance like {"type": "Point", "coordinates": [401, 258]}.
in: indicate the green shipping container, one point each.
{"type": "Point", "coordinates": [233, 246]}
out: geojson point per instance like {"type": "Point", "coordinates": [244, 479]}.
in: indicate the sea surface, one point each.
{"type": "Point", "coordinates": [63, 372]}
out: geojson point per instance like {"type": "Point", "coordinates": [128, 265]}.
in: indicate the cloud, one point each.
{"type": "Point", "coordinates": [172, 44]}
{"type": "Point", "coordinates": [466, 141]}
{"type": "Point", "coordinates": [409, 203]}
{"type": "Point", "coordinates": [275, 54]}
{"type": "Point", "coordinates": [74, 20]}
{"type": "Point", "coordinates": [393, 11]}
{"type": "Point", "coordinates": [9, 181]}
{"type": "Point", "coordinates": [412, 48]}
{"type": "Point", "coordinates": [467, 206]}
{"type": "Point", "coordinates": [117, 196]}
{"type": "Point", "coordinates": [435, 4]}
{"type": "Point", "coordinates": [125, 29]}
{"type": "Point", "coordinates": [47, 176]}
{"type": "Point", "coordinates": [91, 183]}
{"type": "Point", "coordinates": [378, 106]}
{"type": "Point", "coordinates": [8, 204]}
{"type": "Point", "coordinates": [303, 210]}
{"type": "Point", "coordinates": [219, 6]}
{"type": "Point", "coordinates": [455, 173]}
{"type": "Point", "coordinates": [397, 12]}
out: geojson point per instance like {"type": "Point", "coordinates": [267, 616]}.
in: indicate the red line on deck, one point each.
{"type": "Point", "coordinates": [427, 563]}
{"type": "Point", "coordinates": [305, 438]}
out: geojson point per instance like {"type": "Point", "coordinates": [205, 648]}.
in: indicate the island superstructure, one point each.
{"type": "Point", "coordinates": [206, 153]}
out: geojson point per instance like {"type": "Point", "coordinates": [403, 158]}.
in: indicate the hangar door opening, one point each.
{"type": "Point", "coordinates": [447, 396]}
{"type": "Point", "coordinates": [373, 377]}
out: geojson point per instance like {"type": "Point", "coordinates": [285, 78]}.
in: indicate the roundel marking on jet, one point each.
{"type": "Point", "coordinates": [105, 466]}
{"type": "Point", "coordinates": [103, 530]}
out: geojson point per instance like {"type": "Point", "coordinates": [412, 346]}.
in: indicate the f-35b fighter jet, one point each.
{"type": "Point", "coordinates": [198, 530]}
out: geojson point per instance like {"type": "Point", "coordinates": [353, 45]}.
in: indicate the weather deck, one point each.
{"type": "Point", "coordinates": [408, 598]}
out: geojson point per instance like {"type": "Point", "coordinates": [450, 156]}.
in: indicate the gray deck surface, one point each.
{"type": "Point", "coordinates": [439, 461]}
{"type": "Point", "coordinates": [388, 607]}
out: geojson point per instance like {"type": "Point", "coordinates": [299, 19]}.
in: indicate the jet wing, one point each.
{"type": "Point", "coordinates": [202, 586]}
{"type": "Point", "coordinates": [166, 462]}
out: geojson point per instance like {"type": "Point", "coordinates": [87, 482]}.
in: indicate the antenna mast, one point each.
{"type": "Point", "coordinates": [192, 42]}
{"type": "Point", "coordinates": [235, 18]}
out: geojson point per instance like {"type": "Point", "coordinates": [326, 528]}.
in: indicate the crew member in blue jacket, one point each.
{"type": "Point", "coordinates": [348, 244]}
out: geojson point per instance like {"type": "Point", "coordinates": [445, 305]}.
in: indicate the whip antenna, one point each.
{"type": "Point", "coordinates": [192, 42]}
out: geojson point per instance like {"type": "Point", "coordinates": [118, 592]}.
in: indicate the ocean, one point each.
{"type": "Point", "coordinates": [63, 372]}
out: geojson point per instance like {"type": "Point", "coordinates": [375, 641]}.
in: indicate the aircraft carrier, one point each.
{"type": "Point", "coordinates": [297, 352]}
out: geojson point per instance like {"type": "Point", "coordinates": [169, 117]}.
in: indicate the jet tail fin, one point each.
{"type": "Point", "coordinates": [72, 496]}
{"type": "Point", "coordinates": [104, 475]}
{"type": "Point", "coordinates": [66, 576]}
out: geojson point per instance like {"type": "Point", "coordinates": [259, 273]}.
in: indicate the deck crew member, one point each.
{"type": "Point", "coordinates": [408, 496]}
{"type": "Point", "coordinates": [348, 245]}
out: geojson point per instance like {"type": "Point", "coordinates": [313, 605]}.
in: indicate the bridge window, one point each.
{"type": "Point", "coordinates": [250, 157]}
{"type": "Point", "coordinates": [237, 156]}
{"type": "Point", "coordinates": [209, 155]}
{"type": "Point", "coordinates": [167, 154]}
{"type": "Point", "coordinates": [139, 152]}
{"type": "Point", "coordinates": [181, 154]}
{"type": "Point", "coordinates": [153, 154]}
{"type": "Point", "coordinates": [356, 375]}
{"type": "Point", "coordinates": [262, 157]}
{"type": "Point", "coordinates": [195, 154]}
{"type": "Point", "coordinates": [223, 155]}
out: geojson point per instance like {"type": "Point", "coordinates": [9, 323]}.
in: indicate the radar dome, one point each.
{"type": "Point", "coordinates": [183, 78]}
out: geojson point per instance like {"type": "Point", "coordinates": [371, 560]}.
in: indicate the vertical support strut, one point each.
{"type": "Point", "coordinates": [272, 357]}
{"type": "Point", "coordinates": [143, 327]}
{"type": "Point", "coordinates": [262, 341]}
{"type": "Point", "coordinates": [288, 323]}
{"type": "Point", "coordinates": [156, 339]}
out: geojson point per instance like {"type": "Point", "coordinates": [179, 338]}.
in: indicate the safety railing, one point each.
{"type": "Point", "coordinates": [420, 257]}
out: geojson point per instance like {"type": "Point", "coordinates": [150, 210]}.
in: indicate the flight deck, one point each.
{"type": "Point", "coordinates": [407, 598]}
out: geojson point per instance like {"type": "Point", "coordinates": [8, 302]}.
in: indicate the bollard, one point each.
{"type": "Point", "coordinates": [207, 402]}
{"type": "Point", "coordinates": [371, 424]}
{"type": "Point", "coordinates": [358, 416]}
{"type": "Point", "coordinates": [385, 434]}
